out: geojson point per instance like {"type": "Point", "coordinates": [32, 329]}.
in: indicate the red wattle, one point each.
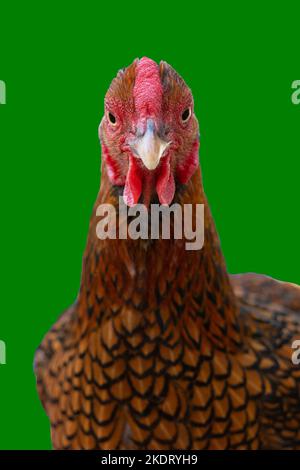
{"type": "Point", "coordinates": [165, 185]}
{"type": "Point", "coordinates": [133, 183]}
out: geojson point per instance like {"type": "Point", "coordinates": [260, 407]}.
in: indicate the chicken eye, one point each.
{"type": "Point", "coordinates": [186, 115]}
{"type": "Point", "coordinates": [112, 118]}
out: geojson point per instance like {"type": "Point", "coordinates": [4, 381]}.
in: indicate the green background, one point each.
{"type": "Point", "coordinates": [57, 62]}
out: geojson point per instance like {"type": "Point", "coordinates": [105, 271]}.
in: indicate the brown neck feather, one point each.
{"type": "Point", "coordinates": [159, 276]}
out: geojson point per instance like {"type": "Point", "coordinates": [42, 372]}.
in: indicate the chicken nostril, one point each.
{"type": "Point", "coordinates": [164, 130]}
{"type": "Point", "coordinates": [139, 131]}
{"type": "Point", "coordinates": [150, 125]}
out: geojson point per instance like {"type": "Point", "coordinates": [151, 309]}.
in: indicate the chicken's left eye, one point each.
{"type": "Point", "coordinates": [186, 115]}
{"type": "Point", "coordinates": [112, 118]}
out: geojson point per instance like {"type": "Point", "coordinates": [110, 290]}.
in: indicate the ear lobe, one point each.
{"type": "Point", "coordinates": [187, 168]}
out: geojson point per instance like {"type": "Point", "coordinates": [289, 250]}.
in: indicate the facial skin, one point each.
{"type": "Point", "coordinates": [149, 132]}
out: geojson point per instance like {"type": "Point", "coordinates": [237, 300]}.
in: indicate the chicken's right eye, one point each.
{"type": "Point", "coordinates": [112, 118]}
{"type": "Point", "coordinates": [186, 115]}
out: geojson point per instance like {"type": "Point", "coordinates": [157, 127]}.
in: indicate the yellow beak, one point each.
{"type": "Point", "coordinates": [150, 147]}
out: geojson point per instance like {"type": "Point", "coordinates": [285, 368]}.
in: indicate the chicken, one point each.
{"type": "Point", "coordinates": [162, 348]}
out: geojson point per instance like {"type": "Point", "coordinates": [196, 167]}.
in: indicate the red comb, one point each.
{"type": "Point", "coordinates": [147, 88]}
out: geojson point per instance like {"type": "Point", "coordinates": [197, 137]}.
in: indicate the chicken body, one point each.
{"type": "Point", "coordinates": [164, 350]}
